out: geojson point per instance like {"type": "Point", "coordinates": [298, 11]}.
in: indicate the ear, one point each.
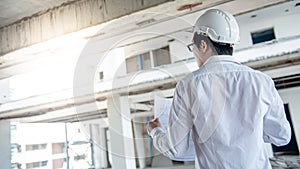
{"type": "Point", "coordinates": [203, 46]}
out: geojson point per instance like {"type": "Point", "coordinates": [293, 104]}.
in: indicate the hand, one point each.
{"type": "Point", "coordinates": [153, 124]}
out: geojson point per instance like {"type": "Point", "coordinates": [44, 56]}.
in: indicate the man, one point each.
{"type": "Point", "coordinates": [230, 109]}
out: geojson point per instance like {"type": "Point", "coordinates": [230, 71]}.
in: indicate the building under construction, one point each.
{"type": "Point", "coordinates": [97, 65]}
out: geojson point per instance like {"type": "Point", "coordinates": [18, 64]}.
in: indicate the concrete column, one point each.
{"type": "Point", "coordinates": [139, 141]}
{"type": "Point", "coordinates": [104, 150]}
{"type": "Point", "coordinates": [99, 142]}
{"type": "Point", "coordinates": [120, 129]}
{"type": "Point", "coordinates": [5, 145]}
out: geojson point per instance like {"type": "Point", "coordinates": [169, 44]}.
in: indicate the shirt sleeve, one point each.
{"type": "Point", "coordinates": [175, 141]}
{"type": "Point", "coordinates": [276, 129]}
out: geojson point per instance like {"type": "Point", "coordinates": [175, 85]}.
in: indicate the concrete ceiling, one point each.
{"type": "Point", "coordinates": [13, 65]}
{"type": "Point", "coordinates": [14, 10]}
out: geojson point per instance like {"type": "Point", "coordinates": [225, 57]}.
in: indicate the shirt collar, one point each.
{"type": "Point", "coordinates": [220, 58]}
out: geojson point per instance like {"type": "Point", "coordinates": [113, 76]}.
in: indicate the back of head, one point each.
{"type": "Point", "coordinates": [220, 27]}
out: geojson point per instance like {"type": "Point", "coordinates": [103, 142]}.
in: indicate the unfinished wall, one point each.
{"type": "Point", "coordinates": [284, 26]}
{"type": "Point", "coordinates": [291, 97]}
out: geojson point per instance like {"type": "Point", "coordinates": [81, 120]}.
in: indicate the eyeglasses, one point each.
{"type": "Point", "coordinates": [190, 47]}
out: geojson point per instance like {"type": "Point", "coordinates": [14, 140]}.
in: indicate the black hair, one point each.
{"type": "Point", "coordinates": [218, 48]}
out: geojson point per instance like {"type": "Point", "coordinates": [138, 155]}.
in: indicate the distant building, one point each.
{"type": "Point", "coordinates": [43, 146]}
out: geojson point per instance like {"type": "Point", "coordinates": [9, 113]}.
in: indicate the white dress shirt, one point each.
{"type": "Point", "coordinates": [231, 110]}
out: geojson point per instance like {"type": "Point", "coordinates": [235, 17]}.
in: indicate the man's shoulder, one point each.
{"type": "Point", "coordinates": [237, 68]}
{"type": "Point", "coordinates": [201, 73]}
{"type": "Point", "coordinates": [186, 79]}
{"type": "Point", "coordinates": [189, 77]}
{"type": "Point", "coordinates": [256, 72]}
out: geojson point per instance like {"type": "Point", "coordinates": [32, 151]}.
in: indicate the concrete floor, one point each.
{"type": "Point", "coordinates": [285, 162]}
{"type": "Point", "coordinates": [279, 162]}
{"type": "Point", "coordinates": [175, 167]}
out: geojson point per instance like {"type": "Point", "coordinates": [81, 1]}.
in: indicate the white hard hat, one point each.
{"type": "Point", "coordinates": [220, 26]}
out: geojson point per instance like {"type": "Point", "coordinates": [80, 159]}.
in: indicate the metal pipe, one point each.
{"type": "Point", "coordinates": [92, 146]}
{"type": "Point", "coordinates": [67, 146]}
{"type": "Point", "coordinates": [149, 143]}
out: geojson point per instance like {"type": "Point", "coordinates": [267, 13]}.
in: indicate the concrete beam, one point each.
{"type": "Point", "coordinates": [144, 107]}
{"type": "Point", "coordinates": [42, 104]}
{"type": "Point", "coordinates": [144, 97]}
{"type": "Point", "coordinates": [75, 111]}
{"type": "Point", "coordinates": [62, 104]}
{"type": "Point", "coordinates": [68, 17]}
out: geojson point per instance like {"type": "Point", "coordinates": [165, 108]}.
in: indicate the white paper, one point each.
{"type": "Point", "coordinates": [162, 107]}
